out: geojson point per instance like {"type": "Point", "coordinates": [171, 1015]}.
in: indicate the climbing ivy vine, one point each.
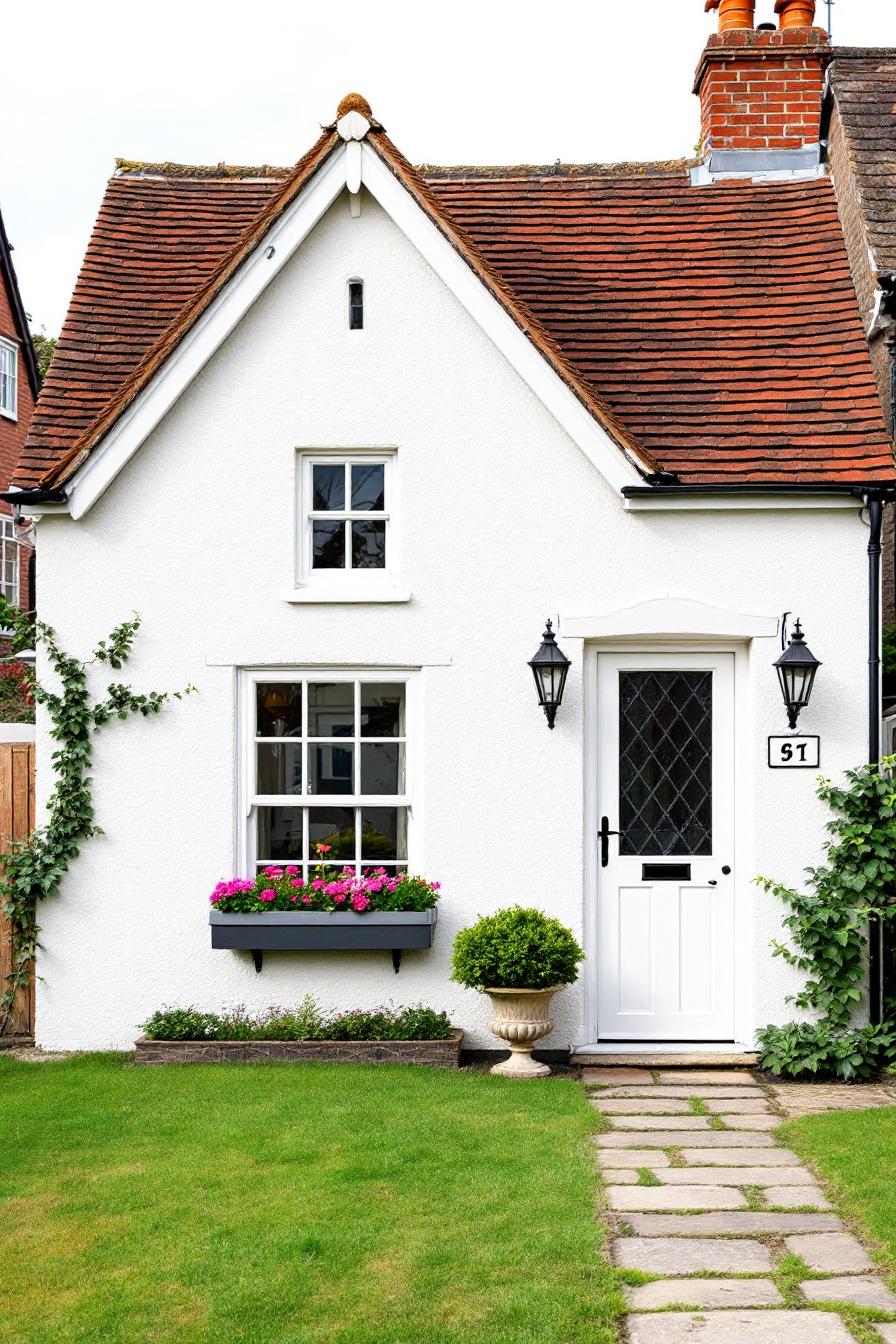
{"type": "Point", "coordinates": [828, 925]}
{"type": "Point", "coordinates": [33, 868]}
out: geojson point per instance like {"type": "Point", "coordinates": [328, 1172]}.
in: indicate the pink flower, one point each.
{"type": "Point", "coordinates": [291, 870]}
{"type": "Point", "coordinates": [216, 896]}
{"type": "Point", "coordinates": [338, 897]}
{"type": "Point", "coordinates": [323, 849]}
{"type": "Point", "coordinates": [317, 884]}
{"type": "Point", "coordinates": [268, 894]}
{"type": "Point", "coordinates": [306, 900]}
{"type": "Point", "coordinates": [294, 898]}
{"type": "Point", "coordinates": [436, 886]}
{"type": "Point", "coordinates": [360, 903]}
{"type": "Point", "coordinates": [273, 872]}
{"type": "Point", "coordinates": [297, 882]}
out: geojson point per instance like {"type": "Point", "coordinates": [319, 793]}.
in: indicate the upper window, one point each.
{"type": "Point", "coordinates": [355, 305]}
{"type": "Point", "coordinates": [346, 514]}
{"type": "Point", "coordinates": [9, 560]}
{"type": "Point", "coordinates": [9, 358]}
{"type": "Point", "coordinates": [326, 766]}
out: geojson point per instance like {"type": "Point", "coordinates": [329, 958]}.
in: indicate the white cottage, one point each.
{"type": "Point", "coordinates": [345, 435]}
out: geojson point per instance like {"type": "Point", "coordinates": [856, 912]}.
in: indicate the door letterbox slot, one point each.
{"type": "Point", "coordinates": [665, 872]}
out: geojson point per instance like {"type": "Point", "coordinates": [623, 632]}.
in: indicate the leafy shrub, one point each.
{"type": "Point", "coordinates": [516, 949]}
{"type": "Point", "coordinates": [182, 1024]}
{"type": "Point", "coordinates": [820, 1050]}
{"type": "Point", "coordinates": [304, 1023]}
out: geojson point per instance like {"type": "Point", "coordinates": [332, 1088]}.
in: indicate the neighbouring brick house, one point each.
{"type": "Point", "coordinates": [345, 433]}
{"type": "Point", "coordinates": [19, 386]}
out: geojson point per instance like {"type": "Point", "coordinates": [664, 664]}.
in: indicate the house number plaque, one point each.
{"type": "Point", "coordinates": [794, 753]}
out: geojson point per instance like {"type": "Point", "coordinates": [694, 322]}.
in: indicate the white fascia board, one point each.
{"type": "Point", "coordinates": [516, 347]}
{"type": "Point", "coordinates": [725, 503]}
{"type": "Point", "coordinates": [206, 336]}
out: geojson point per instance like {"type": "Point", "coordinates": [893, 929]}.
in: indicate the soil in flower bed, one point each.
{"type": "Point", "coordinates": [440, 1054]}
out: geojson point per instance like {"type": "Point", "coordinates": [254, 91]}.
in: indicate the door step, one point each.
{"type": "Point", "coordinates": [665, 1055]}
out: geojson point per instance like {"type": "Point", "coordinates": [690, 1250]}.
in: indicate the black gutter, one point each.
{"type": "Point", "coordinates": [40, 494]}
{"type": "Point", "coordinates": [18, 312]}
{"type": "Point", "coordinates": [875, 930]}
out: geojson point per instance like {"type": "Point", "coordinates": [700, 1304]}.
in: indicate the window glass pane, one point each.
{"type": "Point", "coordinates": [665, 762]}
{"type": "Point", "coordinates": [328, 545]}
{"type": "Point", "coordinates": [368, 486]}
{"type": "Point", "coordinates": [369, 545]}
{"type": "Point", "coordinates": [329, 485]}
{"type": "Point", "coordinates": [383, 834]}
{"type": "Point", "coordinates": [279, 768]}
{"type": "Point", "coordinates": [333, 826]}
{"type": "Point", "coordinates": [278, 709]}
{"type": "Point", "coordinates": [331, 709]}
{"type": "Point", "coordinates": [382, 767]}
{"type": "Point", "coordinates": [279, 834]}
{"type": "Point", "coordinates": [331, 769]}
{"type": "Point", "coordinates": [382, 709]}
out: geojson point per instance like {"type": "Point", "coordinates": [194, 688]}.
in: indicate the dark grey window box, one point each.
{"type": "Point", "coordinates": [323, 930]}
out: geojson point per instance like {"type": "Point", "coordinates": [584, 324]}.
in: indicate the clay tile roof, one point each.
{"type": "Point", "coordinates": [864, 84]}
{"type": "Point", "coordinates": [713, 331]}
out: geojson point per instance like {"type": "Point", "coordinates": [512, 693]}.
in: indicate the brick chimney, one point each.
{"type": "Point", "coordinates": [760, 88]}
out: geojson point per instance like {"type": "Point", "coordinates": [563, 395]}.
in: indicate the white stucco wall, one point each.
{"type": "Point", "coordinates": [503, 522]}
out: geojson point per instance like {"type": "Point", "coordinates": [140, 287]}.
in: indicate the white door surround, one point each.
{"type": "Point", "coordinates": [683, 994]}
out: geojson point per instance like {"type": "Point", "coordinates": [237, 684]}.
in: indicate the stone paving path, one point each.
{"type": "Point", "coordinates": [719, 1222]}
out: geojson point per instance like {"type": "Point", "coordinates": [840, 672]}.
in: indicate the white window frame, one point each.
{"type": "Point", "coordinates": [9, 543]}
{"type": "Point", "coordinates": [10, 410]}
{"type": "Point", "coordinates": [348, 584]}
{"type": "Point", "coordinates": [250, 800]}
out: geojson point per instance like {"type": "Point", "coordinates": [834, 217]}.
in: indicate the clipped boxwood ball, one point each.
{"type": "Point", "coordinates": [516, 949]}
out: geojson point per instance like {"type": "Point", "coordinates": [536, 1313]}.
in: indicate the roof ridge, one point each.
{"type": "Point", "coordinates": [229, 172]}
{"type": "Point", "coordinates": [624, 168]}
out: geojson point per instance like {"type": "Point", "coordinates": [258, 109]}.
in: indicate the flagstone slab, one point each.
{"type": "Point", "coordinates": [683, 1093]}
{"type": "Point", "coordinates": [637, 1106]}
{"type": "Point", "coordinates": [739, 1150]}
{"type": "Point", "coordinates": [732, 1224]}
{"type": "Point", "coordinates": [632, 1157]}
{"type": "Point", "coordinates": [708, 1139]}
{"type": "Point", "coordinates": [835, 1096]}
{"type": "Point", "coordinates": [861, 1291]}
{"type": "Point", "coordinates": [612, 1077]}
{"type": "Point", "coordinates": [706, 1077]}
{"type": "Point", "coordinates": [796, 1196]}
{"type": "Point", "coordinates": [621, 1176]}
{"type": "Point", "coordinates": [655, 1198]}
{"type": "Point", "coordinates": [831, 1253]}
{"type": "Point", "coordinates": [704, 1293]}
{"type": "Point", "coordinates": [753, 1123]}
{"type": "Point", "coordinates": [736, 1105]}
{"type": "Point", "coordinates": [684, 1255]}
{"type": "Point", "coordinates": [790, 1177]}
{"type": "Point", "coordinates": [887, 1333]}
{"type": "Point", "coordinates": [734, 1327]}
{"type": "Point", "coordinates": [661, 1122]}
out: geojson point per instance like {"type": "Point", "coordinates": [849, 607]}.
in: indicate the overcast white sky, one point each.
{"type": "Point", "coordinates": [200, 81]}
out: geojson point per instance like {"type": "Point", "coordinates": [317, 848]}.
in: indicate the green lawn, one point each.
{"type": "Point", "coordinates": [855, 1151]}
{"type": "Point", "coordinates": [296, 1203]}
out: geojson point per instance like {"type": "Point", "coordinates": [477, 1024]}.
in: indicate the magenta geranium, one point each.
{"type": "Point", "coordinates": [278, 888]}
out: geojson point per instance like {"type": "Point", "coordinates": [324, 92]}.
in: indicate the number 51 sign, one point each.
{"type": "Point", "coordinates": [794, 753]}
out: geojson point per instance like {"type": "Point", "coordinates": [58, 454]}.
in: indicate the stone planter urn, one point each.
{"type": "Point", "coordinates": [521, 1018]}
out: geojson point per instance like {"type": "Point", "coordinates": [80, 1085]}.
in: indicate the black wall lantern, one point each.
{"type": "Point", "coordinates": [549, 668]}
{"type": "Point", "coordinates": [796, 672]}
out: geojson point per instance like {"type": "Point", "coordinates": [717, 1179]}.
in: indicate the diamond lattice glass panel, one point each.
{"type": "Point", "coordinates": [665, 762]}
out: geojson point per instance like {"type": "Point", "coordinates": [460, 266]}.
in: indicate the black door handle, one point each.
{"type": "Point", "coordinates": [604, 835]}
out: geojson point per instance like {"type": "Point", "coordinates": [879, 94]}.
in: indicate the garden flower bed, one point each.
{"type": "Point", "coordinates": [381, 1036]}
{"type": "Point", "coordinates": [334, 909]}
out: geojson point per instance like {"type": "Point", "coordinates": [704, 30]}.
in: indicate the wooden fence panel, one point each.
{"type": "Point", "coordinates": [16, 820]}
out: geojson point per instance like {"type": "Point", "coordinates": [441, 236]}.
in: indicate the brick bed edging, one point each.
{"type": "Point", "coordinates": [435, 1054]}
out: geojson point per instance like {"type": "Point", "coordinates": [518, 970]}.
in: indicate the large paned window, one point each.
{"type": "Point", "coordinates": [9, 359]}
{"type": "Point", "coordinates": [327, 764]}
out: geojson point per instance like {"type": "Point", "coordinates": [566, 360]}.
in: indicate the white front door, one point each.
{"type": "Point", "coordinates": [665, 886]}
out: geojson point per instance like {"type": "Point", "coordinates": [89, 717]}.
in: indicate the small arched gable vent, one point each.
{"type": "Point", "coordinates": [355, 305]}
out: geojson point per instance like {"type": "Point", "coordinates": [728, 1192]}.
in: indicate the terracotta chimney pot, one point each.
{"type": "Point", "coordinates": [733, 13]}
{"type": "Point", "coordinates": [796, 13]}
